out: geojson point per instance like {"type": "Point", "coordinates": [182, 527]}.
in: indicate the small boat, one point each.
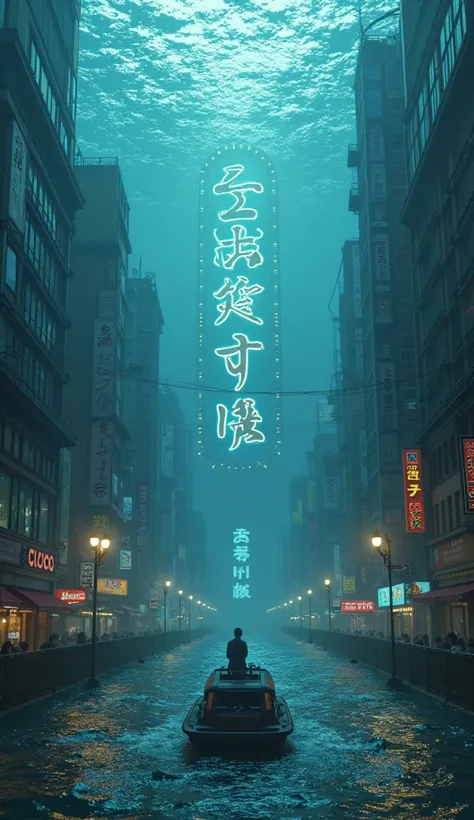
{"type": "Point", "coordinates": [239, 707]}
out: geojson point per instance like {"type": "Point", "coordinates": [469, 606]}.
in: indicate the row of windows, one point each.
{"type": "Point", "coordinates": [23, 509]}
{"type": "Point", "coordinates": [12, 269]}
{"type": "Point", "coordinates": [445, 460]}
{"type": "Point", "coordinates": [49, 97]}
{"type": "Point", "coordinates": [440, 70]}
{"type": "Point", "coordinates": [447, 514]}
{"type": "Point", "coordinates": [40, 318]}
{"type": "Point", "coordinates": [48, 211]}
{"type": "Point", "coordinates": [24, 449]}
{"type": "Point", "coordinates": [60, 43]}
{"type": "Point", "coordinates": [43, 261]}
{"type": "Point", "coordinates": [24, 362]}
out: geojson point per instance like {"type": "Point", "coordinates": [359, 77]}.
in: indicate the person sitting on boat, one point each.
{"type": "Point", "coordinates": [237, 651]}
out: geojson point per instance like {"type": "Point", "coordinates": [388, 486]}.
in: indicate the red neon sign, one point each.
{"type": "Point", "coordinates": [413, 486]}
{"type": "Point", "coordinates": [71, 596]}
{"type": "Point", "coordinates": [357, 606]}
{"type": "Point", "coordinates": [41, 560]}
{"type": "Point", "coordinates": [468, 472]}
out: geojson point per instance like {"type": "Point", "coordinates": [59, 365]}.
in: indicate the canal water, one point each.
{"type": "Point", "coordinates": [359, 751]}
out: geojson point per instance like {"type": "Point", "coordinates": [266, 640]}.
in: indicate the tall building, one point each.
{"type": "Point", "coordinates": [39, 197]}
{"type": "Point", "coordinates": [175, 501]}
{"type": "Point", "coordinates": [100, 475]}
{"type": "Point", "coordinates": [349, 404]}
{"type": "Point", "coordinates": [439, 211]}
{"type": "Point", "coordinates": [389, 359]}
{"type": "Point", "coordinates": [143, 328]}
{"type": "Point", "coordinates": [325, 523]}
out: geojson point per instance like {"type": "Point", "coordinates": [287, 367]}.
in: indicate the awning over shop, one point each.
{"type": "Point", "coordinates": [447, 594]}
{"type": "Point", "coordinates": [8, 600]}
{"type": "Point", "coordinates": [41, 600]}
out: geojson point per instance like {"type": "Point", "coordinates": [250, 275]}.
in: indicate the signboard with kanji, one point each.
{"type": "Point", "coordinates": [467, 446]}
{"type": "Point", "coordinates": [413, 487]}
{"type": "Point", "coordinates": [357, 606]}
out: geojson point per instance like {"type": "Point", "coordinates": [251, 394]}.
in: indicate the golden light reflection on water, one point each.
{"type": "Point", "coordinates": [360, 752]}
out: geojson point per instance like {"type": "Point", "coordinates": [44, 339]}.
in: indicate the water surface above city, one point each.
{"type": "Point", "coordinates": [358, 751]}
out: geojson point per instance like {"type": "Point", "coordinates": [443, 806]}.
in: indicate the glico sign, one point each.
{"type": "Point", "coordinates": [36, 559]}
{"type": "Point", "coordinates": [239, 321]}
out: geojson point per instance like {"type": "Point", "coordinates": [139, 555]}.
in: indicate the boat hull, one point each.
{"type": "Point", "coordinates": [201, 733]}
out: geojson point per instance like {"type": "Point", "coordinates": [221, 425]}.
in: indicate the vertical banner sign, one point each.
{"type": "Point", "coordinates": [102, 436]}
{"type": "Point", "coordinates": [239, 323]}
{"type": "Point", "coordinates": [17, 201]}
{"type": "Point", "coordinates": [414, 507]}
{"type": "Point", "coordinates": [142, 530]}
{"type": "Point", "coordinates": [103, 368]}
{"type": "Point", "coordinates": [241, 568]}
{"type": "Point", "coordinates": [467, 450]}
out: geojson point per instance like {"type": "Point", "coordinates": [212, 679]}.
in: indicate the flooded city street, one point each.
{"type": "Point", "coordinates": [358, 750]}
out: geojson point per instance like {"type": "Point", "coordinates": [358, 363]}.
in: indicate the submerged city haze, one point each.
{"type": "Point", "coordinates": [236, 305]}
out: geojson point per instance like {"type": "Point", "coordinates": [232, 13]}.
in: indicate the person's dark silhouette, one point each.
{"type": "Point", "coordinates": [237, 651]}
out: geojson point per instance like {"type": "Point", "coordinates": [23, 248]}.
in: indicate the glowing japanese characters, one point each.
{"type": "Point", "coordinates": [226, 186]}
{"type": "Point", "coordinates": [242, 305]}
{"type": "Point", "coordinates": [240, 245]}
{"type": "Point", "coordinates": [241, 570]}
{"type": "Point", "coordinates": [244, 427]}
{"type": "Point", "coordinates": [237, 357]}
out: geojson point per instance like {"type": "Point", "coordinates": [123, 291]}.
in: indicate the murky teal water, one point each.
{"type": "Point", "coordinates": [359, 752]}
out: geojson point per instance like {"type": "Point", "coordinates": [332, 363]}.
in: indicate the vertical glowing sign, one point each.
{"type": "Point", "coordinates": [467, 445]}
{"type": "Point", "coordinates": [239, 334]}
{"type": "Point", "coordinates": [241, 568]}
{"type": "Point", "coordinates": [414, 507]}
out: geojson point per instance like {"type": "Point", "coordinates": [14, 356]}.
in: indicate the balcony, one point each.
{"type": "Point", "coordinates": [353, 156]}
{"type": "Point", "coordinates": [354, 199]}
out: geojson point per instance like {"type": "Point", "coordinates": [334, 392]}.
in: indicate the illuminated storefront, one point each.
{"type": "Point", "coordinates": [403, 596]}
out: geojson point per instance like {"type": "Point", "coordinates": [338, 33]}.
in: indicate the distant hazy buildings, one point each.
{"type": "Point", "coordinates": [389, 358]}
{"type": "Point", "coordinates": [349, 409]}
{"type": "Point", "coordinates": [39, 196]}
{"type": "Point", "coordinates": [100, 476]}
{"type": "Point", "coordinates": [439, 210]}
{"type": "Point", "coordinates": [143, 328]}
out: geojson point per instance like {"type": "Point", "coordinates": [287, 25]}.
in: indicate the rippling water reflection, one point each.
{"type": "Point", "coordinates": [359, 751]}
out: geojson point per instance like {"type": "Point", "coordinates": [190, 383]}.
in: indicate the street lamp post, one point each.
{"type": "Point", "coordinates": [300, 599]}
{"type": "Point", "coordinates": [384, 548]}
{"type": "Point", "coordinates": [328, 587]}
{"type": "Point", "coordinates": [100, 547]}
{"type": "Point", "coordinates": [165, 603]}
{"type": "Point", "coordinates": [190, 598]}
{"type": "Point", "coordinates": [291, 613]}
{"type": "Point", "coordinates": [180, 604]}
{"type": "Point", "coordinates": [310, 592]}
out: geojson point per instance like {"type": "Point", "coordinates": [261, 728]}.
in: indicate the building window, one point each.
{"type": "Point", "coordinates": [450, 513]}
{"type": "Point", "coordinates": [443, 516]}
{"type": "Point", "coordinates": [452, 36]}
{"type": "Point", "coordinates": [457, 508]}
{"type": "Point", "coordinates": [439, 455]}
{"type": "Point", "coordinates": [434, 86]}
{"type": "Point", "coordinates": [423, 117]}
{"type": "Point", "coordinates": [49, 97]}
{"type": "Point", "coordinates": [44, 519]}
{"type": "Point", "coordinates": [5, 496]}
{"type": "Point", "coordinates": [447, 466]}
{"type": "Point", "coordinates": [454, 453]}
{"type": "Point", "coordinates": [437, 521]}
{"type": "Point", "coordinates": [12, 269]}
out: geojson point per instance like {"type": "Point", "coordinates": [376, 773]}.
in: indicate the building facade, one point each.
{"type": "Point", "coordinates": [143, 329]}
{"type": "Point", "coordinates": [439, 211]}
{"type": "Point", "coordinates": [39, 197]}
{"type": "Point", "coordinates": [100, 472]}
{"type": "Point", "coordinates": [387, 306]}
